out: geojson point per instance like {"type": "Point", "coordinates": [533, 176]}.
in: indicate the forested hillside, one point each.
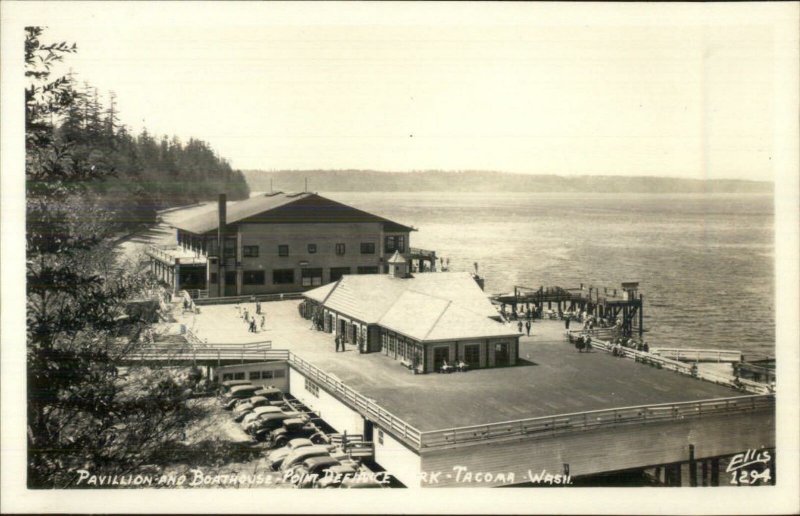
{"type": "Point", "coordinates": [148, 172]}
{"type": "Point", "coordinates": [487, 181]}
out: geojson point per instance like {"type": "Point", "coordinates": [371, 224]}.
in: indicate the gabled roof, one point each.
{"type": "Point", "coordinates": [434, 306]}
{"type": "Point", "coordinates": [279, 207]}
{"type": "Point", "coordinates": [396, 258]}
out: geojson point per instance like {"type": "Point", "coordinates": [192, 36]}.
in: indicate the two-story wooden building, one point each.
{"type": "Point", "coordinates": [278, 243]}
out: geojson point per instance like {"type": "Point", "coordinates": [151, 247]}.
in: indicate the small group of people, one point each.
{"type": "Point", "coordinates": [339, 341]}
{"type": "Point", "coordinates": [527, 327]}
{"type": "Point", "coordinates": [629, 343]}
{"type": "Point", "coordinates": [251, 320]}
{"type": "Point", "coordinates": [583, 343]}
{"type": "Point", "coordinates": [455, 367]}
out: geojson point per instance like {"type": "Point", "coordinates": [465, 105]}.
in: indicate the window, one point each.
{"type": "Point", "coordinates": [230, 278]}
{"type": "Point", "coordinates": [312, 248]}
{"type": "Point", "coordinates": [253, 277]}
{"type": "Point", "coordinates": [311, 277]}
{"type": "Point", "coordinates": [283, 276]}
{"type": "Point", "coordinates": [339, 249]}
{"type": "Point", "coordinates": [230, 248]}
{"type": "Point", "coordinates": [212, 277]}
{"type": "Point", "coordinates": [283, 250]}
{"type": "Point", "coordinates": [250, 251]}
{"type": "Point", "coordinates": [368, 269]}
{"type": "Point", "coordinates": [367, 248]}
{"type": "Point", "coordinates": [338, 272]}
{"type": "Point", "coordinates": [472, 355]}
{"type": "Point", "coordinates": [380, 436]}
{"type": "Point", "coordinates": [227, 377]}
{"type": "Point", "coordinates": [279, 373]}
{"type": "Point", "coordinates": [266, 375]}
{"type": "Point", "coordinates": [312, 387]}
{"type": "Point", "coordinates": [212, 247]}
{"type": "Point", "coordinates": [395, 243]}
{"type": "Point", "coordinates": [238, 376]}
{"type": "Point", "coordinates": [254, 375]}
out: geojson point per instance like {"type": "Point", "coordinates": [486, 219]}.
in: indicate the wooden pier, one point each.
{"type": "Point", "coordinates": [625, 305]}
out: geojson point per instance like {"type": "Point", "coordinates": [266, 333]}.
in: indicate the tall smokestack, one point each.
{"type": "Point", "coordinates": [222, 207]}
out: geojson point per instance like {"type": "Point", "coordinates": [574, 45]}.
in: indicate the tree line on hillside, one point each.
{"type": "Point", "coordinates": [146, 173]}
{"type": "Point", "coordinates": [487, 181]}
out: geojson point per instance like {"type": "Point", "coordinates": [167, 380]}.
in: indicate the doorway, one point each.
{"type": "Point", "coordinates": [501, 356]}
{"type": "Point", "coordinates": [440, 355]}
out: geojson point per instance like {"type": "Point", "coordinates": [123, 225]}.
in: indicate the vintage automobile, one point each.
{"type": "Point", "coordinates": [229, 384]}
{"type": "Point", "coordinates": [311, 470]}
{"type": "Point", "coordinates": [298, 456]}
{"type": "Point", "coordinates": [273, 394]}
{"type": "Point", "coordinates": [294, 428]}
{"type": "Point", "coordinates": [265, 425]}
{"type": "Point", "coordinates": [244, 408]}
{"type": "Point", "coordinates": [275, 457]}
{"type": "Point", "coordinates": [257, 413]}
{"type": "Point", "coordinates": [238, 394]}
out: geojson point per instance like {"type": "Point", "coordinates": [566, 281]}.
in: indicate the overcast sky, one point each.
{"type": "Point", "coordinates": [630, 89]}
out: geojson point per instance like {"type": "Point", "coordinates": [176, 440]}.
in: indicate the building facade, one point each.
{"type": "Point", "coordinates": [423, 320]}
{"type": "Point", "coordinates": [277, 243]}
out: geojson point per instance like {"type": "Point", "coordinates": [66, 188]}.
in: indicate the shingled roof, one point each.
{"type": "Point", "coordinates": [287, 208]}
{"type": "Point", "coordinates": [427, 307]}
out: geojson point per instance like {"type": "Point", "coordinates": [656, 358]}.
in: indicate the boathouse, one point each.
{"type": "Point", "coordinates": [277, 243]}
{"type": "Point", "coordinates": [421, 320]}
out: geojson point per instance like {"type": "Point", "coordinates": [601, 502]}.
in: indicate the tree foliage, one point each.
{"type": "Point", "coordinates": [80, 413]}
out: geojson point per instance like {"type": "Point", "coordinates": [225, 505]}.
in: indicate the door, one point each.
{"type": "Point", "coordinates": [230, 283]}
{"type": "Point", "coordinates": [374, 338]}
{"type": "Point", "coordinates": [440, 355]}
{"type": "Point", "coordinates": [472, 355]}
{"type": "Point", "coordinates": [501, 354]}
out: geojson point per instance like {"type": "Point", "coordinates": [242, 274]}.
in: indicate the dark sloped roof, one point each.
{"type": "Point", "coordinates": [286, 209]}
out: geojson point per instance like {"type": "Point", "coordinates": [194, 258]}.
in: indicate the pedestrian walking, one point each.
{"type": "Point", "coordinates": [263, 321]}
{"type": "Point", "coordinates": [253, 325]}
{"type": "Point", "coordinates": [519, 326]}
{"type": "Point", "coordinates": [336, 340]}
{"type": "Point", "coordinates": [566, 322]}
{"type": "Point", "coordinates": [528, 327]}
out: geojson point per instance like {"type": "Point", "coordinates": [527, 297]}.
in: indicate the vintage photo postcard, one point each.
{"type": "Point", "coordinates": [472, 257]}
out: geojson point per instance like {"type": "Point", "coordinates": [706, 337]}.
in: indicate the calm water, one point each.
{"type": "Point", "coordinates": [704, 263]}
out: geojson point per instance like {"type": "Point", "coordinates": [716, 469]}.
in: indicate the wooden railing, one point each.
{"type": "Point", "coordinates": [699, 355]}
{"type": "Point", "coordinates": [247, 299]}
{"type": "Point", "coordinates": [243, 352]}
{"type": "Point", "coordinates": [608, 418]}
{"type": "Point", "coordinates": [684, 368]}
{"type": "Point", "coordinates": [365, 406]}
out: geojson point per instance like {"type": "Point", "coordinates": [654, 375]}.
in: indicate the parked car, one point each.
{"type": "Point", "coordinates": [265, 425]}
{"type": "Point", "coordinates": [256, 414]}
{"type": "Point", "coordinates": [311, 470]}
{"type": "Point", "coordinates": [229, 384]}
{"type": "Point", "coordinates": [238, 394]}
{"type": "Point", "coordinates": [275, 457]}
{"type": "Point", "coordinates": [273, 394]}
{"type": "Point", "coordinates": [294, 428]}
{"type": "Point", "coordinates": [244, 408]}
{"type": "Point", "coordinates": [298, 456]}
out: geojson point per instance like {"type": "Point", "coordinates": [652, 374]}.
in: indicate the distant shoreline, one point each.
{"type": "Point", "coordinates": [491, 182]}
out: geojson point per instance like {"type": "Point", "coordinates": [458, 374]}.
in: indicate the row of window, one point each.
{"type": "Point", "coordinates": [312, 387]}
{"type": "Point", "coordinates": [255, 375]}
{"type": "Point", "coordinates": [309, 277]}
{"type": "Point", "coordinates": [391, 244]}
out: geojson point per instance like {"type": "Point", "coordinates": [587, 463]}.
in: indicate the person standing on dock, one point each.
{"type": "Point", "coordinates": [263, 321]}
{"type": "Point", "coordinates": [519, 326]}
{"type": "Point", "coordinates": [336, 340]}
{"type": "Point", "coordinates": [528, 327]}
{"type": "Point", "coordinates": [566, 323]}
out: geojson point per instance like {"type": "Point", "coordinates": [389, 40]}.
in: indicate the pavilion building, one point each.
{"type": "Point", "coordinates": [422, 320]}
